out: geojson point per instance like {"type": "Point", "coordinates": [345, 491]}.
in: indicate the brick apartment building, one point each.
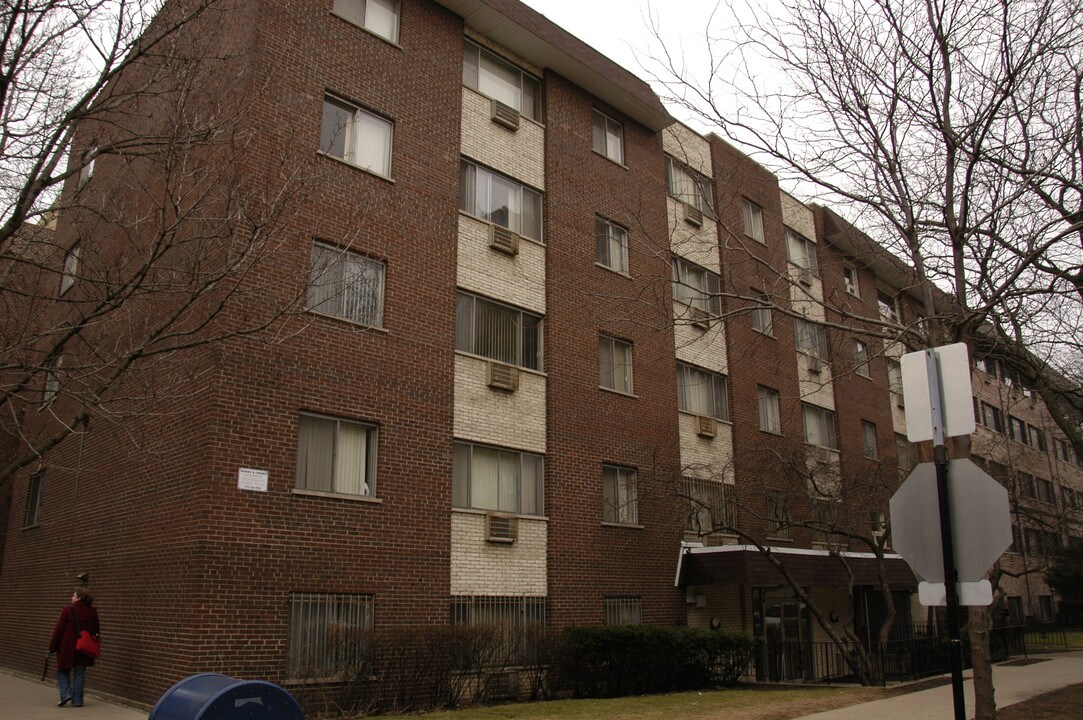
{"type": "Point", "coordinates": [552, 344]}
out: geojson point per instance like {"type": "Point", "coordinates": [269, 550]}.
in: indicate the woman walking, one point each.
{"type": "Point", "coordinates": [71, 664]}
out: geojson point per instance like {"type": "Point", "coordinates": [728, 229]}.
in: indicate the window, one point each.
{"type": "Point", "coordinates": [811, 338]}
{"type": "Point", "coordinates": [801, 252]}
{"type": "Point", "coordinates": [769, 420]}
{"type": "Point", "coordinates": [877, 523]}
{"type": "Point", "coordinates": [608, 137]}
{"type": "Point", "coordinates": [1026, 487]}
{"type": "Point", "coordinates": [1036, 437]}
{"type": "Point", "coordinates": [500, 200]}
{"type": "Point", "coordinates": [619, 495]}
{"type": "Point", "coordinates": [762, 321]}
{"type": "Point", "coordinates": [688, 186]}
{"type": "Point", "coordinates": [1073, 499]}
{"type": "Point", "coordinates": [861, 358]}
{"type": "Point", "coordinates": [1045, 491]}
{"type": "Point", "coordinates": [1065, 452]}
{"type": "Point", "coordinates": [358, 137]}
{"type": "Point", "coordinates": [868, 440]}
{"type": "Point", "coordinates": [521, 618]}
{"type": "Point", "coordinates": [819, 426]}
{"type": "Point", "coordinates": [623, 611]}
{"type": "Point", "coordinates": [702, 392]}
{"type": "Point", "coordinates": [894, 376]}
{"type": "Point", "coordinates": [71, 267]}
{"type": "Point", "coordinates": [380, 17]}
{"type": "Point", "coordinates": [612, 242]}
{"type": "Point", "coordinates": [52, 380]}
{"type": "Point", "coordinates": [499, 332]}
{"type": "Point", "coordinates": [905, 455]}
{"type": "Point", "coordinates": [753, 215]}
{"type": "Point", "coordinates": [706, 510]}
{"type": "Point", "coordinates": [850, 280]}
{"type": "Point", "coordinates": [991, 417]}
{"type": "Point", "coordinates": [489, 478]}
{"type": "Point", "coordinates": [1045, 604]}
{"type": "Point", "coordinates": [346, 284]}
{"type": "Point", "coordinates": [885, 301]}
{"type": "Point", "coordinates": [502, 81]}
{"type": "Point", "coordinates": [33, 500]}
{"type": "Point", "coordinates": [336, 456]}
{"type": "Point", "coordinates": [778, 516]}
{"type": "Point", "coordinates": [87, 171]}
{"type": "Point", "coordinates": [329, 634]}
{"type": "Point", "coordinates": [986, 365]}
{"type": "Point", "coordinates": [615, 364]}
{"type": "Point", "coordinates": [697, 287]}
{"type": "Point", "coordinates": [824, 519]}
{"type": "Point", "coordinates": [1017, 430]}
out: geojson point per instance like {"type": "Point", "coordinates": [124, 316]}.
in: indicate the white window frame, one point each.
{"type": "Point", "coordinates": [689, 187]}
{"type": "Point", "coordinates": [696, 287]}
{"type": "Point", "coordinates": [52, 380]}
{"type": "Point", "coordinates": [851, 281]}
{"type": "Point", "coordinates": [801, 251]}
{"type": "Point", "coordinates": [763, 320]}
{"type": "Point", "coordinates": [608, 137]}
{"type": "Point", "coordinates": [620, 503]}
{"type": "Point", "coordinates": [472, 311]}
{"type": "Point", "coordinates": [820, 426]}
{"type": "Point", "coordinates": [611, 242]}
{"type": "Point", "coordinates": [615, 373]}
{"type": "Point", "coordinates": [517, 487]}
{"type": "Point", "coordinates": [363, 485]}
{"type": "Point", "coordinates": [482, 70]}
{"type": "Point", "coordinates": [478, 188]}
{"type": "Point", "coordinates": [770, 420]}
{"type": "Point", "coordinates": [753, 220]}
{"type": "Point", "coordinates": [869, 446]}
{"type": "Point", "coordinates": [861, 358]}
{"type": "Point", "coordinates": [811, 338]}
{"type": "Point", "coordinates": [72, 260]}
{"type": "Point", "coordinates": [364, 14]}
{"type": "Point", "coordinates": [702, 392]}
{"type": "Point", "coordinates": [328, 634]}
{"type": "Point", "coordinates": [346, 284]}
{"type": "Point", "coordinates": [347, 142]}
{"type": "Point", "coordinates": [87, 171]}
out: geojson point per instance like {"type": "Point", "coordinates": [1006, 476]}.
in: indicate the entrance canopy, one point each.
{"type": "Point", "coordinates": [745, 565]}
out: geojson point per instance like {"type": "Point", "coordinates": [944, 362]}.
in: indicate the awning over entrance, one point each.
{"type": "Point", "coordinates": [745, 565]}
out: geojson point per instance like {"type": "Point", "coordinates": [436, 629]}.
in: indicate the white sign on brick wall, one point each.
{"type": "Point", "coordinates": [252, 479]}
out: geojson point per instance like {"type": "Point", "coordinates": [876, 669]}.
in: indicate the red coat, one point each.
{"type": "Point", "coordinates": [64, 635]}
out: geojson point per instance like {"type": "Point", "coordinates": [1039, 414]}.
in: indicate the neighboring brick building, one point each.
{"type": "Point", "coordinates": [547, 335]}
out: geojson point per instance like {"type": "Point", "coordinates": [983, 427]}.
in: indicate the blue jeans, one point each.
{"type": "Point", "coordinates": [70, 684]}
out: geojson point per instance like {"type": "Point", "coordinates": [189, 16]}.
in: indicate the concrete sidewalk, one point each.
{"type": "Point", "coordinates": [1013, 683]}
{"type": "Point", "coordinates": [23, 697]}
{"type": "Point", "coordinates": [26, 698]}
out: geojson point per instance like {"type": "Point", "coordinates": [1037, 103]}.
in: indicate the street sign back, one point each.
{"type": "Point", "coordinates": [957, 407]}
{"type": "Point", "coordinates": [981, 524]}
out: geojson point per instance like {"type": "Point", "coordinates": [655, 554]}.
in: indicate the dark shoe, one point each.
{"type": "Point", "coordinates": [63, 702]}
{"type": "Point", "coordinates": [79, 705]}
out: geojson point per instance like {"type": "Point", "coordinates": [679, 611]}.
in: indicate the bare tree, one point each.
{"type": "Point", "coordinates": [139, 229]}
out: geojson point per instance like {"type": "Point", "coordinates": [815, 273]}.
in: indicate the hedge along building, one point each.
{"type": "Point", "coordinates": [525, 335]}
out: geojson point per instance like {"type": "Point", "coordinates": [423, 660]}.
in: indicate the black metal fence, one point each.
{"type": "Point", "coordinates": [921, 654]}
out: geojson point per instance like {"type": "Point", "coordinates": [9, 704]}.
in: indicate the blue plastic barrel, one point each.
{"type": "Point", "coordinates": [210, 696]}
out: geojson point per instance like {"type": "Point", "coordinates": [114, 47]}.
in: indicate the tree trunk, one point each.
{"type": "Point", "coordinates": [984, 701]}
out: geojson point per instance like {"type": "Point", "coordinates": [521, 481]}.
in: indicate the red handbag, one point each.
{"type": "Point", "coordinates": [85, 642]}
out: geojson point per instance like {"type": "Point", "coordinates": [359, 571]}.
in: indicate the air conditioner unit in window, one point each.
{"type": "Point", "coordinates": [700, 318]}
{"type": "Point", "coordinates": [804, 276]}
{"type": "Point", "coordinates": [503, 240]}
{"type": "Point", "coordinates": [706, 426]}
{"type": "Point", "coordinates": [899, 403]}
{"type": "Point", "coordinates": [505, 115]}
{"type": "Point", "coordinates": [501, 528]}
{"type": "Point", "coordinates": [693, 215]}
{"type": "Point", "coordinates": [503, 377]}
{"type": "Point", "coordinates": [815, 364]}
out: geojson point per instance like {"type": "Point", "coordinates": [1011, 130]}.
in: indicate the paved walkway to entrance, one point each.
{"type": "Point", "coordinates": [1013, 682]}
{"type": "Point", "coordinates": [26, 698]}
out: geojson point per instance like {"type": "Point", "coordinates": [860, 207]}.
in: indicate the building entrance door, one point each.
{"type": "Point", "coordinates": [782, 622]}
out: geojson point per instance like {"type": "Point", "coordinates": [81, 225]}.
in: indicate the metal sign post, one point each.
{"type": "Point", "coordinates": [951, 577]}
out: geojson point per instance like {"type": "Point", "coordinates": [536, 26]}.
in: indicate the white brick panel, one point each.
{"type": "Point", "coordinates": [496, 417]}
{"type": "Point", "coordinates": [517, 280]}
{"type": "Point", "coordinates": [483, 568]}
{"type": "Point", "coordinates": [519, 154]}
